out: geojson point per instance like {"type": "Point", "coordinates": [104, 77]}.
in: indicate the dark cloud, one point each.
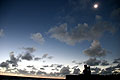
{"type": "Point", "coordinates": [40, 73]}
{"type": "Point", "coordinates": [81, 32]}
{"type": "Point", "coordinates": [45, 66]}
{"type": "Point", "coordinates": [44, 61]}
{"type": "Point", "coordinates": [50, 57]}
{"type": "Point", "coordinates": [95, 50]}
{"type": "Point", "coordinates": [104, 63]}
{"type": "Point", "coordinates": [33, 68]}
{"type": "Point", "coordinates": [27, 56]}
{"type": "Point", "coordinates": [92, 62]}
{"type": "Point", "coordinates": [65, 71]}
{"type": "Point", "coordinates": [73, 61]}
{"type": "Point", "coordinates": [42, 68]}
{"type": "Point", "coordinates": [110, 70]}
{"type": "Point", "coordinates": [37, 58]}
{"type": "Point", "coordinates": [4, 65]}
{"type": "Point", "coordinates": [98, 17]}
{"type": "Point", "coordinates": [95, 70]}
{"type": "Point", "coordinates": [79, 4]}
{"type": "Point", "coordinates": [1, 32]}
{"type": "Point", "coordinates": [29, 49]}
{"type": "Point", "coordinates": [59, 65]}
{"type": "Point", "coordinates": [22, 71]}
{"type": "Point", "coordinates": [45, 56]}
{"type": "Point", "coordinates": [13, 60]}
{"type": "Point", "coordinates": [116, 14]}
{"type": "Point", "coordinates": [116, 60]}
{"type": "Point", "coordinates": [32, 72]}
{"type": "Point", "coordinates": [75, 67]}
{"type": "Point", "coordinates": [28, 53]}
{"type": "Point", "coordinates": [54, 74]}
{"type": "Point", "coordinates": [76, 71]}
{"type": "Point", "coordinates": [30, 66]}
{"type": "Point", "coordinates": [37, 37]}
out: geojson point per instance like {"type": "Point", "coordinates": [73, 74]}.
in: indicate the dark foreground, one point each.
{"type": "Point", "coordinates": [68, 77]}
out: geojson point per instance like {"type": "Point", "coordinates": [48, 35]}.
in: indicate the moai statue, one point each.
{"type": "Point", "coordinates": [86, 70]}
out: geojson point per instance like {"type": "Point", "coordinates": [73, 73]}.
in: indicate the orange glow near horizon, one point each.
{"type": "Point", "coordinates": [32, 76]}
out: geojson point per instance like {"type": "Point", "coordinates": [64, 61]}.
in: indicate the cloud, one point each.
{"type": "Point", "coordinates": [92, 62]}
{"type": "Point", "coordinates": [116, 60]}
{"type": "Point", "coordinates": [4, 65]}
{"type": "Point", "coordinates": [65, 71]}
{"type": "Point", "coordinates": [27, 56]}
{"type": "Point", "coordinates": [13, 60]}
{"type": "Point", "coordinates": [37, 58]}
{"type": "Point", "coordinates": [78, 63]}
{"type": "Point", "coordinates": [40, 73]}
{"type": "Point", "coordinates": [1, 32]}
{"type": "Point", "coordinates": [59, 65]}
{"type": "Point", "coordinates": [29, 49]}
{"type": "Point", "coordinates": [42, 68]}
{"type": "Point", "coordinates": [55, 69]}
{"type": "Point", "coordinates": [32, 72]}
{"type": "Point", "coordinates": [22, 71]}
{"type": "Point", "coordinates": [79, 4]}
{"type": "Point", "coordinates": [116, 14]}
{"type": "Point", "coordinates": [50, 57]}
{"type": "Point", "coordinates": [95, 70]}
{"type": "Point", "coordinates": [45, 66]}
{"type": "Point", "coordinates": [95, 50]}
{"type": "Point", "coordinates": [73, 61]}
{"type": "Point", "coordinates": [45, 56]}
{"type": "Point", "coordinates": [75, 67]}
{"type": "Point", "coordinates": [30, 66]}
{"type": "Point", "coordinates": [104, 63]}
{"type": "Point", "coordinates": [110, 70]}
{"type": "Point", "coordinates": [76, 71]}
{"type": "Point", "coordinates": [81, 32]}
{"type": "Point", "coordinates": [38, 38]}
{"type": "Point", "coordinates": [98, 17]}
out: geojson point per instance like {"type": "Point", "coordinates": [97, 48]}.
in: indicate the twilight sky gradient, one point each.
{"type": "Point", "coordinates": [57, 37]}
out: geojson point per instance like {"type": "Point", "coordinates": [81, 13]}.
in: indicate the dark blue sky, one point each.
{"type": "Point", "coordinates": [67, 30]}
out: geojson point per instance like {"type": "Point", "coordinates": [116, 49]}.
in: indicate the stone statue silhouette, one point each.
{"type": "Point", "coordinates": [86, 70]}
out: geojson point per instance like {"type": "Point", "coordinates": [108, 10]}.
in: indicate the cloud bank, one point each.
{"type": "Point", "coordinates": [81, 32]}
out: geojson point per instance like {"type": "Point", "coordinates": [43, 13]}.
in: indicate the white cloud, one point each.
{"type": "Point", "coordinates": [95, 50]}
{"type": "Point", "coordinates": [38, 38]}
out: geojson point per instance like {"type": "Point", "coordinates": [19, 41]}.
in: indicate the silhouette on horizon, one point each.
{"type": "Point", "coordinates": [86, 70]}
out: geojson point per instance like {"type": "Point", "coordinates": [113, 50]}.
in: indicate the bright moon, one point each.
{"type": "Point", "coordinates": [95, 5]}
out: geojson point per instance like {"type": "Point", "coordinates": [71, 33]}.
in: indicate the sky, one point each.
{"type": "Point", "coordinates": [58, 37]}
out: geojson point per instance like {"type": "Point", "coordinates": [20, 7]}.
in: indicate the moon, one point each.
{"type": "Point", "coordinates": [95, 6]}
